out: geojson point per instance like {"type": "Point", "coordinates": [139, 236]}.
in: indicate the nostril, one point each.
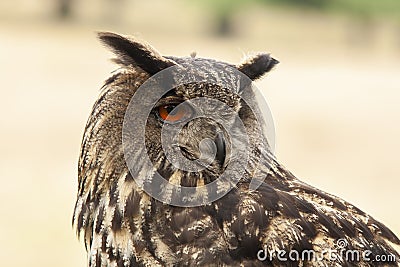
{"type": "Point", "coordinates": [221, 148]}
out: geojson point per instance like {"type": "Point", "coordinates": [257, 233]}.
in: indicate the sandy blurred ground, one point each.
{"type": "Point", "coordinates": [334, 97]}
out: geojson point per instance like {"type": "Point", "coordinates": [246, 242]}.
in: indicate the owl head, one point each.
{"type": "Point", "coordinates": [188, 129]}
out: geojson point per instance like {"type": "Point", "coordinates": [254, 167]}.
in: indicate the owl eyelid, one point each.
{"type": "Point", "coordinates": [170, 100]}
{"type": "Point", "coordinates": [189, 112]}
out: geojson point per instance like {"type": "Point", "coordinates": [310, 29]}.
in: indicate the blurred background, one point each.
{"type": "Point", "coordinates": [334, 97]}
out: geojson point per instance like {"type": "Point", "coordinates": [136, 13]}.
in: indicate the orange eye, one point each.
{"type": "Point", "coordinates": [172, 113]}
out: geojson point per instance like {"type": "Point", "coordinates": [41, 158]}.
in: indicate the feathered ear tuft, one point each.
{"type": "Point", "coordinates": [132, 52]}
{"type": "Point", "coordinates": [256, 66]}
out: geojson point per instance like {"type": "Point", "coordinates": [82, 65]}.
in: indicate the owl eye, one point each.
{"type": "Point", "coordinates": [173, 113]}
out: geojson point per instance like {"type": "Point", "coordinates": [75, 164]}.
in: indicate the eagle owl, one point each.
{"type": "Point", "coordinates": [127, 217]}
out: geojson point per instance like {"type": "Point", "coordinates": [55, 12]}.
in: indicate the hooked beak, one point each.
{"type": "Point", "coordinates": [221, 148]}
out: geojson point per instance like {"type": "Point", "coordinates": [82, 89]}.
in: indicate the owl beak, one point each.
{"type": "Point", "coordinates": [221, 148]}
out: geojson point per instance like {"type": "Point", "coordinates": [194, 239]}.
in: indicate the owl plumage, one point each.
{"type": "Point", "coordinates": [123, 225]}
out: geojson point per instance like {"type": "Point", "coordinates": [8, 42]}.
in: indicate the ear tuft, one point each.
{"type": "Point", "coordinates": [256, 66]}
{"type": "Point", "coordinates": [135, 53]}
